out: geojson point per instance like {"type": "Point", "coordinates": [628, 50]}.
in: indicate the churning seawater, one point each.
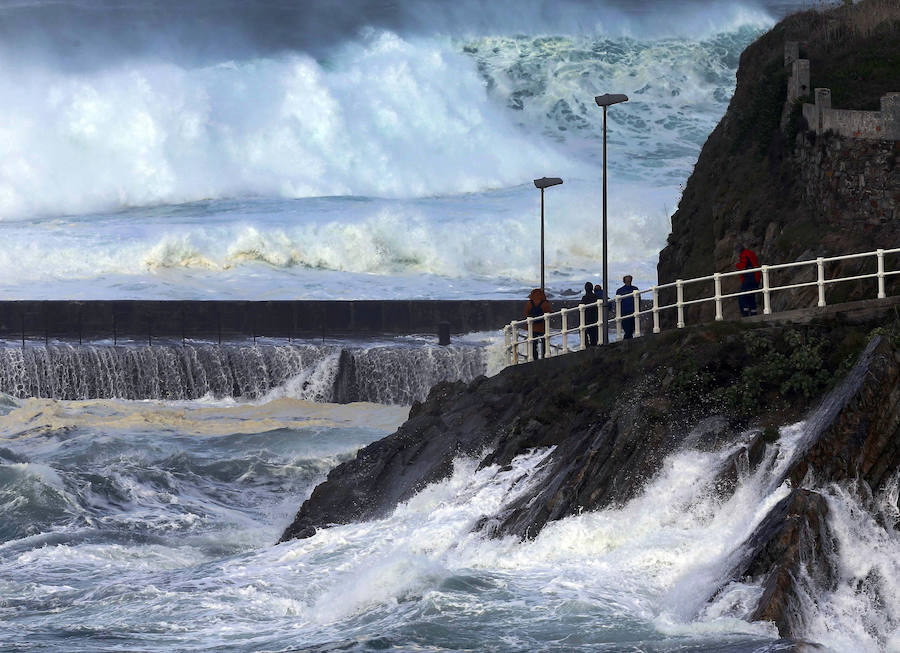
{"type": "Point", "coordinates": [361, 149]}
{"type": "Point", "coordinates": [150, 526]}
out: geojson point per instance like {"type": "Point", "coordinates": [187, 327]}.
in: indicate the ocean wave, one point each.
{"type": "Point", "coordinates": [384, 115]}
{"type": "Point", "coordinates": [391, 118]}
{"type": "Point", "coordinates": [469, 238]}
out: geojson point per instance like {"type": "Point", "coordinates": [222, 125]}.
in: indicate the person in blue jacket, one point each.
{"type": "Point", "coordinates": [626, 306]}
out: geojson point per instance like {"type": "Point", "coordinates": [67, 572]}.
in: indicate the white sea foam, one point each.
{"type": "Point", "coordinates": [388, 117]}
{"type": "Point", "coordinates": [451, 124]}
{"type": "Point", "coordinates": [863, 612]}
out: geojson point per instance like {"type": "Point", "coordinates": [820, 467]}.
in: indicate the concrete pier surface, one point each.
{"type": "Point", "coordinates": [229, 320]}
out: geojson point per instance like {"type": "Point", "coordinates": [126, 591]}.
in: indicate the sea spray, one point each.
{"type": "Point", "coordinates": [155, 520]}
{"type": "Point", "coordinates": [266, 165]}
{"type": "Point", "coordinates": [861, 614]}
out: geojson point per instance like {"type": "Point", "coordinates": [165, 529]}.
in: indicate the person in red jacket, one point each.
{"type": "Point", "coordinates": [748, 262]}
{"type": "Point", "coordinates": [535, 307]}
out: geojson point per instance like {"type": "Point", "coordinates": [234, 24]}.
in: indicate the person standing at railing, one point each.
{"type": "Point", "coordinates": [535, 307]}
{"type": "Point", "coordinates": [750, 280]}
{"type": "Point", "coordinates": [626, 306]}
{"type": "Point", "coordinates": [590, 314]}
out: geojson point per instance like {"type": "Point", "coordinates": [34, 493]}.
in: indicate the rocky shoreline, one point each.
{"type": "Point", "coordinates": [612, 416]}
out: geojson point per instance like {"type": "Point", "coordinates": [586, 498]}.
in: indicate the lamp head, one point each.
{"type": "Point", "coordinates": [546, 182]}
{"type": "Point", "coordinates": [610, 98]}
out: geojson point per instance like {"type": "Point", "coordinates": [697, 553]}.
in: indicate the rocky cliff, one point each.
{"type": "Point", "coordinates": [609, 418]}
{"type": "Point", "coordinates": [613, 416]}
{"type": "Point", "coordinates": [765, 179]}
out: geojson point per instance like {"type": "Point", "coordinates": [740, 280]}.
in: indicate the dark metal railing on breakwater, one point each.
{"type": "Point", "coordinates": [147, 320]}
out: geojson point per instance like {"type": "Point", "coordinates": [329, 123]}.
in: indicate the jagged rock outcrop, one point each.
{"type": "Point", "coordinates": [614, 415]}
{"type": "Point", "coordinates": [792, 551]}
{"type": "Point", "coordinates": [854, 435]}
{"type": "Point", "coordinates": [611, 427]}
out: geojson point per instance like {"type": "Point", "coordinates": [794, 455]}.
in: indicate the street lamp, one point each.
{"type": "Point", "coordinates": [606, 101]}
{"type": "Point", "coordinates": [542, 183]}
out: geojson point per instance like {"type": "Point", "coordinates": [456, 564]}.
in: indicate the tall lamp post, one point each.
{"type": "Point", "coordinates": [542, 183]}
{"type": "Point", "coordinates": [606, 101]}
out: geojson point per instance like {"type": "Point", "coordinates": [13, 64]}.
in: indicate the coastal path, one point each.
{"type": "Point", "coordinates": [565, 330]}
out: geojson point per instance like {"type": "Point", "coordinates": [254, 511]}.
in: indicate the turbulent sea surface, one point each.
{"type": "Point", "coordinates": [360, 149]}
{"type": "Point", "coordinates": [150, 526]}
{"type": "Point", "coordinates": [363, 149]}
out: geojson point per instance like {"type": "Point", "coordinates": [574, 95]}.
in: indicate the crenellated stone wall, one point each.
{"type": "Point", "coordinates": [822, 117]}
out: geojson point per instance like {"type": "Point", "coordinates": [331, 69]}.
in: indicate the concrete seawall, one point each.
{"type": "Point", "coordinates": [212, 320]}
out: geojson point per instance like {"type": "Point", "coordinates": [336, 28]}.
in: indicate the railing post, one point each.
{"type": "Point", "coordinates": [717, 281]}
{"type": "Point", "coordinates": [767, 300]}
{"type": "Point", "coordinates": [604, 310]}
{"type": "Point", "coordinates": [546, 335]}
{"type": "Point", "coordinates": [618, 318]}
{"type": "Point", "coordinates": [655, 310]}
{"type": "Point", "coordinates": [529, 347]}
{"type": "Point", "coordinates": [679, 287]}
{"type": "Point", "coordinates": [581, 327]}
{"type": "Point", "coordinates": [515, 342]}
{"type": "Point", "coordinates": [565, 331]}
{"type": "Point", "coordinates": [880, 254]}
{"type": "Point", "coordinates": [820, 264]}
{"type": "Point", "coordinates": [506, 351]}
{"type": "Point", "coordinates": [637, 313]}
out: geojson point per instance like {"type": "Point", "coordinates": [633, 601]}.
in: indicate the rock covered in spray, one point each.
{"type": "Point", "coordinates": [613, 416]}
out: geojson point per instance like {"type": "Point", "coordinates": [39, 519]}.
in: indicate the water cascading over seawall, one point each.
{"type": "Point", "coordinates": [326, 373]}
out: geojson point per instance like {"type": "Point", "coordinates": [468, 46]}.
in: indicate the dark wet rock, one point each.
{"type": "Point", "coordinates": [613, 416]}
{"type": "Point", "coordinates": [595, 407]}
{"type": "Point", "coordinates": [792, 551]}
{"type": "Point", "coordinates": [739, 465]}
{"type": "Point", "coordinates": [852, 436]}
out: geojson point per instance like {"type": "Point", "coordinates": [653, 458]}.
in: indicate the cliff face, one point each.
{"type": "Point", "coordinates": [613, 416]}
{"type": "Point", "coordinates": [781, 190]}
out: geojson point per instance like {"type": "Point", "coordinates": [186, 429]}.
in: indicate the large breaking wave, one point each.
{"type": "Point", "coordinates": [386, 111]}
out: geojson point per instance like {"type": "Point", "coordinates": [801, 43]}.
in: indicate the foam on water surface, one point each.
{"type": "Point", "coordinates": [396, 163]}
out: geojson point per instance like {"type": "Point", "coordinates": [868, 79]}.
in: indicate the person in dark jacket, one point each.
{"type": "Point", "coordinates": [535, 307]}
{"type": "Point", "coordinates": [626, 306]}
{"type": "Point", "coordinates": [748, 261]}
{"type": "Point", "coordinates": [590, 314]}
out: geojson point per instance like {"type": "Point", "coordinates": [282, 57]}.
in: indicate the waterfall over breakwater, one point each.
{"type": "Point", "coordinates": [324, 373]}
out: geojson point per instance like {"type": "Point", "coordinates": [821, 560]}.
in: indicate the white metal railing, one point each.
{"type": "Point", "coordinates": [520, 336]}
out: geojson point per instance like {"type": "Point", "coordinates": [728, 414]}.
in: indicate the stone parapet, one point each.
{"type": "Point", "coordinates": [798, 83]}
{"type": "Point", "coordinates": [822, 117]}
{"type": "Point", "coordinates": [890, 115]}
